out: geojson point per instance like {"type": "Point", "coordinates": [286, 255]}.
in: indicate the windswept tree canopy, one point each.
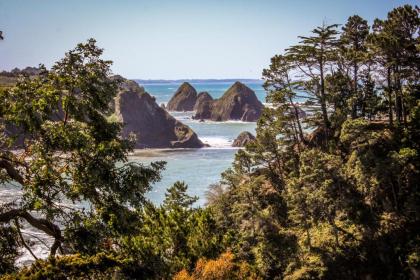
{"type": "Point", "coordinates": [58, 147]}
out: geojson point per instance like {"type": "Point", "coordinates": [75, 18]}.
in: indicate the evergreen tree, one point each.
{"type": "Point", "coordinates": [353, 44]}
{"type": "Point", "coordinates": [396, 42]}
{"type": "Point", "coordinates": [312, 58]}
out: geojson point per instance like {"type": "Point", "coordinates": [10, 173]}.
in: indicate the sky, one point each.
{"type": "Point", "coordinates": [168, 39]}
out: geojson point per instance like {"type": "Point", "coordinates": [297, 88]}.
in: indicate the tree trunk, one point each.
{"type": "Point", "coordinates": [354, 105]}
{"type": "Point", "coordinates": [296, 113]}
{"type": "Point", "coordinates": [398, 97]}
{"type": "Point", "coordinates": [323, 97]}
{"type": "Point", "coordinates": [389, 89]}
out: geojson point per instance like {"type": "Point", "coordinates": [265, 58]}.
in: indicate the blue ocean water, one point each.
{"type": "Point", "coordinates": [197, 167]}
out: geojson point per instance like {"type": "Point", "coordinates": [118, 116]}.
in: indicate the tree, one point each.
{"type": "Point", "coordinates": [352, 42]}
{"type": "Point", "coordinates": [282, 91]}
{"type": "Point", "coordinates": [312, 57]}
{"type": "Point", "coordinates": [396, 44]}
{"type": "Point", "coordinates": [9, 244]}
{"type": "Point", "coordinates": [328, 196]}
{"type": "Point", "coordinates": [172, 236]}
{"type": "Point", "coordinates": [69, 154]}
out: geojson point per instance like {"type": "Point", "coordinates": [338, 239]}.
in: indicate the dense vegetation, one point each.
{"type": "Point", "coordinates": [330, 195]}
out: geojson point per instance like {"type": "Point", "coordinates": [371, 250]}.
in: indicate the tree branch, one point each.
{"type": "Point", "coordinates": [11, 171]}
{"type": "Point", "coordinates": [23, 240]}
{"type": "Point", "coordinates": [41, 224]}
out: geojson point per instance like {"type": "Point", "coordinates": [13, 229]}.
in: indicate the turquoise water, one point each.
{"type": "Point", "coordinates": [197, 167]}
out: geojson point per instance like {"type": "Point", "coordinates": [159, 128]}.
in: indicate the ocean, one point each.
{"type": "Point", "coordinates": [198, 168]}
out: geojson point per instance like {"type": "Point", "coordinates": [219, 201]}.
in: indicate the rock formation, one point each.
{"type": "Point", "coordinates": [243, 138]}
{"type": "Point", "coordinates": [184, 98]}
{"type": "Point", "coordinates": [239, 102]}
{"type": "Point", "coordinates": [152, 125]}
{"type": "Point", "coordinates": [201, 98]}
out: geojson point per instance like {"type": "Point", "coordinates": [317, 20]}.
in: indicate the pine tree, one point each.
{"type": "Point", "coordinates": [311, 57]}
{"type": "Point", "coordinates": [353, 44]}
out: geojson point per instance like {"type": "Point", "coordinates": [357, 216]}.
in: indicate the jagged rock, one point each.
{"type": "Point", "coordinates": [152, 125]}
{"type": "Point", "coordinates": [201, 98]}
{"type": "Point", "coordinates": [239, 102]}
{"type": "Point", "coordinates": [243, 138]}
{"type": "Point", "coordinates": [184, 98]}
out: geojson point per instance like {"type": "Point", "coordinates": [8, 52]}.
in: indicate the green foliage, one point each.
{"type": "Point", "coordinates": [100, 266]}
{"type": "Point", "coordinates": [8, 248]}
{"type": "Point", "coordinates": [348, 186]}
{"type": "Point", "coordinates": [173, 236]}
{"type": "Point", "coordinates": [70, 153]}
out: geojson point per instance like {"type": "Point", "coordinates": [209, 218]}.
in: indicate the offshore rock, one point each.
{"type": "Point", "coordinates": [201, 98]}
{"type": "Point", "coordinates": [239, 102]}
{"type": "Point", "coordinates": [151, 124]}
{"type": "Point", "coordinates": [243, 139]}
{"type": "Point", "coordinates": [184, 98]}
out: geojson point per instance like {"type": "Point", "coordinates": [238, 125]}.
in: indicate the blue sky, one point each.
{"type": "Point", "coordinates": [170, 39]}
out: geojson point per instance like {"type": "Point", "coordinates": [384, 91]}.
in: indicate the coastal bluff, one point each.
{"type": "Point", "coordinates": [239, 102]}
{"type": "Point", "coordinates": [151, 124]}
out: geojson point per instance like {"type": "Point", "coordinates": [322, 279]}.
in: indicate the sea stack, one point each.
{"type": "Point", "coordinates": [243, 139]}
{"type": "Point", "coordinates": [201, 98]}
{"type": "Point", "coordinates": [239, 102]}
{"type": "Point", "coordinates": [152, 125]}
{"type": "Point", "coordinates": [184, 98]}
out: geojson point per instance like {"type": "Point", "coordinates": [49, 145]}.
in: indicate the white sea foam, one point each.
{"type": "Point", "coordinates": [210, 122]}
{"type": "Point", "coordinates": [217, 141]}
{"type": "Point", "coordinates": [39, 242]}
{"type": "Point", "coordinates": [188, 116]}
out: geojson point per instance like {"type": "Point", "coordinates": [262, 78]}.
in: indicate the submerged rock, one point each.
{"type": "Point", "coordinates": [184, 98]}
{"type": "Point", "coordinates": [239, 102]}
{"type": "Point", "coordinates": [152, 125]}
{"type": "Point", "coordinates": [243, 138]}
